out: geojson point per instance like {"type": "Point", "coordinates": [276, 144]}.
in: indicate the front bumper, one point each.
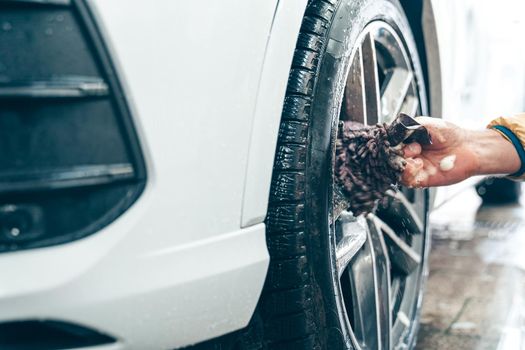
{"type": "Point", "coordinates": [146, 299]}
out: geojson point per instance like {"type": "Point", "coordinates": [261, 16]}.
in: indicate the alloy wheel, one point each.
{"type": "Point", "coordinates": [379, 259]}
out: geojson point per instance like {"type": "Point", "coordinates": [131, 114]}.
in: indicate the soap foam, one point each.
{"type": "Point", "coordinates": [447, 163]}
{"type": "Point", "coordinates": [420, 178]}
{"type": "Point", "coordinates": [431, 170]}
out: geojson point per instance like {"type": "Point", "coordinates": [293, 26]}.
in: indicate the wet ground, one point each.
{"type": "Point", "coordinates": [476, 288]}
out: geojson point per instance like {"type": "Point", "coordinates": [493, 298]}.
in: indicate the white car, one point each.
{"type": "Point", "coordinates": [166, 173]}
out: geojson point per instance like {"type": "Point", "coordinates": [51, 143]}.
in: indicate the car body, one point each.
{"type": "Point", "coordinates": [186, 262]}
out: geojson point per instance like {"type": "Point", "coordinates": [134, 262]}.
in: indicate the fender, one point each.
{"type": "Point", "coordinates": [272, 87]}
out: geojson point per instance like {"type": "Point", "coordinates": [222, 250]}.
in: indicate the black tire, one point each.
{"type": "Point", "coordinates": [499, 191]}
{"type": "Point", "coordinates": [298, 306]}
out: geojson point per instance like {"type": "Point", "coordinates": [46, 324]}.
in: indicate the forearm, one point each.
{"type": "Point", "coordinates": [494, 154]}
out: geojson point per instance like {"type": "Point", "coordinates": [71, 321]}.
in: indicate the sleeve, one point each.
{"type": "Point", "coordinates": [513, 129]}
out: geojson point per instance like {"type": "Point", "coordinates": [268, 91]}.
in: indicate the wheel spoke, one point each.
{"type": "Point", "coordinates": [362, 282]}
{"type": "Point", "coordinates": [402, 256]}
{"type": "Point", "coordinates": [400, 212]}
{"type": "Point", "coordinates": [394, 92]}
{"type": "Point", "coordinates": [371, 79]}
{"type": "Point", "coordinates": [410, 106]}
{"type": "Point", "coordinates": [366, 297]}
{"type": "Point", "coordinates": [351, 233]}
{"type": "Point", "coordinates": [340, 204]}
{"type": "Point", "coordinates": [382, 287]}
{"type": "Point", "coordinates": [354, 95]}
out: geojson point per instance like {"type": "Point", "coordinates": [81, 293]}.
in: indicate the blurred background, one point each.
{"type": "Point", "coordinates": [482, 58]}
{"type": "Point", "coordinates": [476, 287]}
{"type": "Point", "coordinates": [482, 55]}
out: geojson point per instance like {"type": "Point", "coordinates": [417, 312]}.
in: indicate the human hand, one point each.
{"type": "Point", "coordinates": [456, 154]}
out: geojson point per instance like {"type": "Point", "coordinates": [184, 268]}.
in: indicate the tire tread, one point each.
{"type": "Point", "coordinates": [287, 302]}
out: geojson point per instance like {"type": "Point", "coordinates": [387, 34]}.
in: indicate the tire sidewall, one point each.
{"type": "Point", "coordinates": [349, 20]}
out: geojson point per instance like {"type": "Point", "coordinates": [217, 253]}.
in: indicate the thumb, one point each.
{"type": "Point", "coordinates": [414, 174]}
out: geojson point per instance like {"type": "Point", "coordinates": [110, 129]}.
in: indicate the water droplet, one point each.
{"type": "Point", "coordinates": [6, 26]}
{"type": "Point", "coordinates": [15, 231]}
{"type": "Point", "coordinates": [60, 18]}
{"type": "Point", "coordinates": [49, 31]}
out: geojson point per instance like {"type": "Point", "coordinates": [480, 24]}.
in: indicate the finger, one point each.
{"type": "Point", "coordinates": [436, 127]}
{"type": "Point", "coordinates": [436, 123]}
{"type": "Point", "coordinates": [407, 179]}
{"type": "Point", "coordinates": [413, 167]}
{"type": "Point", "coordinates": [421, 179]}
{"type": "Point", "coordinates": [412, 150]}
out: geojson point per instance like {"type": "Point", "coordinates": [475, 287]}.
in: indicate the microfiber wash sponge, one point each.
{"type": "Point", "coordinates": [369, 159]}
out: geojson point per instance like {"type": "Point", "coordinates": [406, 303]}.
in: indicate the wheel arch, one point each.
{"type": "Point", "coordinates": [267, 115]}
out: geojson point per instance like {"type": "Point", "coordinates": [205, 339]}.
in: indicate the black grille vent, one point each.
{"type": "Point", "coordinates": [70, 162]}
{"type": "Point", "coordinates": [48, 335]}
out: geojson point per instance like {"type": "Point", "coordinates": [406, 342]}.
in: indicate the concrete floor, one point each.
{"type": "Point", "coordinates": [475, 295]}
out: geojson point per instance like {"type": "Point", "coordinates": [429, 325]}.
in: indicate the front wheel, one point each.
{"type": "Point", "coordinates": [336, 281]}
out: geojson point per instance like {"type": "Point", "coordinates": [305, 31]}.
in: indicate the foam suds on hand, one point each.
{"type": "Point", "coordinates": [421, 177]}
{"type": "Point", "coordinates": [447, 163]}
{"type": "Point", "coordinates": [431, 170]}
